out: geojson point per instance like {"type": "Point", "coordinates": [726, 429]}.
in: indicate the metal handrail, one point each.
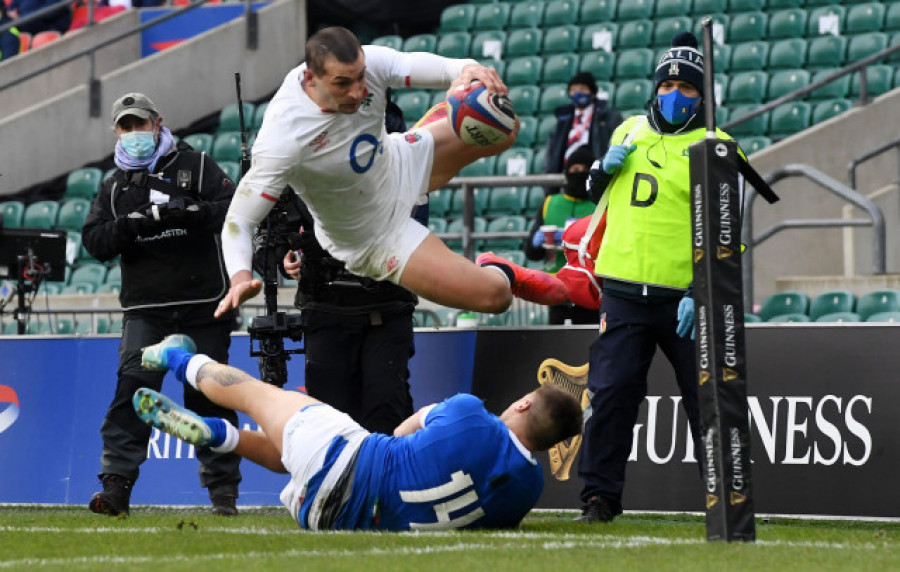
{"type": "Point", "coordinates": [856, 161]}
{"type": "Point", "coordinates": [830, 184]}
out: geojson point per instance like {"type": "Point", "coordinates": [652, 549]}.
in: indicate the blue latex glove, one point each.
{"type": "Point", "coordinates": [557, 237]}
{"type": "Point", "coordinates": [685, 317]}
{"type": "Point", "coordinates": [537, 240]}
{"type": "Point", "coordinates": [615, 157]}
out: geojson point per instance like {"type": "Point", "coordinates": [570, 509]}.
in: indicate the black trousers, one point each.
{"type": "Point", "coordinates": [620, 358]}
{"type": "Point", "coordinates": [557, 315]}
{"type": "Point", "coordinates": [125, 436]}
{"type": "Point", "coordinates": [359, 364]}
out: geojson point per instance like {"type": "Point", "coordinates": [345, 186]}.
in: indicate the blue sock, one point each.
{"type": "Point", "coordinates": [219, 429]}
{"type": "Point", "coordinates": [177, 360]}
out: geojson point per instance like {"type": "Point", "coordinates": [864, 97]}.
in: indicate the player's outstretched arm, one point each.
{"type": "Point", "coordinates": [413, 423]}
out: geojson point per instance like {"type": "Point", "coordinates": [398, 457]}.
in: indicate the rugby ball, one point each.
{"type": "Point", "coordinates": [478, 117]}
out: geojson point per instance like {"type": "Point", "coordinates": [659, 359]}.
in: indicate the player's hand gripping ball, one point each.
{"type": "Point", "coordinates": [480, 118]}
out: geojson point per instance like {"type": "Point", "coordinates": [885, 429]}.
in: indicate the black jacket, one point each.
{"type": "Point", "coordinates": [603, 123]}
{"type": "Point", "coordinates": [177, 260]}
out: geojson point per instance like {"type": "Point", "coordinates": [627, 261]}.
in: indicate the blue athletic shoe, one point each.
{"type": "Point", "coordinates": [155, 357]}
{"type": "Point", "coordinates": [157, 410]}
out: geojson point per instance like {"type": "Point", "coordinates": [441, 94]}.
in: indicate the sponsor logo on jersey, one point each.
{"type": "Point", "coordinates": [320, 141]}
{"type": "Point", "coordinates": [412, 137]}
{"type": "Point", "coordinates": [392, 264]}
{"type": "Point", "coordinates": [367, 98]}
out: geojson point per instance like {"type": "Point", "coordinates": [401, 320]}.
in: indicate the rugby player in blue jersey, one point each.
{"type": "Point", "coordinates": [449, 465]}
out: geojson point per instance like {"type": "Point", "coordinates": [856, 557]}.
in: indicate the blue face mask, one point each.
{"type": "Point", "coordinates": [138, 144]}
{"type": "Point", "coordinates": [581, 99]}
{"type": "Point", "coordinates": [676, 107]}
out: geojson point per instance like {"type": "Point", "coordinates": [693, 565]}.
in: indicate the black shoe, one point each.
{"type": "Point", "coordinates": [114, 498]}
{"type": "Point", "coordinates": [224, 500]}
{"type": "Point", "coordinates": [599, 509]}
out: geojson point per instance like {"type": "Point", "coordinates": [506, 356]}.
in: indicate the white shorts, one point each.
{"type": "Point", "coordinates": [384, 257]}
{"type": "Point", "coordinates": [307, 436]}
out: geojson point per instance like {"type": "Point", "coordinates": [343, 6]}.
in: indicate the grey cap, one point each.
{"type": "Point", "coordinates": [136, 104]}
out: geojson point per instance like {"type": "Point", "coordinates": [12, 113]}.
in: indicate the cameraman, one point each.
{"type": "Point", "coordinates": [162, 212]}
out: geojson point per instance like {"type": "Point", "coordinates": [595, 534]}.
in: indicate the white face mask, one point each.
{"type": "Point", "coordinates": [138, 144]}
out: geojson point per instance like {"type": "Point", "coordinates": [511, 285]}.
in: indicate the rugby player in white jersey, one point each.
{"type": "Point", "coordinates": [324, 135]}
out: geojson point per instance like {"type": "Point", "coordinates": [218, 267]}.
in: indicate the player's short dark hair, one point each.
{"type": "Point", "coordinates": [335, 41]}
{"type": "Point", "coordinates": [555, 416]}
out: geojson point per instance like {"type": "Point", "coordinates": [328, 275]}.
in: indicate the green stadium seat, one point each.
{"type": "Point", "coordinates": [561, 12]}
{"type": "Point", "coordinates": [781, 303]}
{"type": "Point", "coordinates": [784, 4]}
{"type": "Point", "coordinates": [12, 213]}
{"type": "Point", "coordinates": [526, 15]}
{"type": "Point", "coordinates": [508, 223]}
{"type": "Point", "coordinates": [825, 110]}
{"type": "Point", "coordinates": [831, 302]}
{"type": "Point", "coordinates": [789, 23]}
{"type": "Point", "coordinates": [115, 326]}
{"type": "Point", "coordinates": [826, 52]}
{"type": "Point", "coordinates": [546, 126]}
{"type": "Point", "coordinates": [594, 11]}
{"type": "Point", "coordinates": [526, 98]}
{"type": "Point", "coordinates": [41, 214]}
{"type": "Point", "coordinates": [864, 18]}
{"type": "Point", "coordinates": [751, 145]}
{"type": "Point", "coordinates": [559, 68]}
{"type": "Point", "coordinates": [83, 183]}
{"type": "Point", "coordinates": [524, 70]}
{"type": "Point", "coordinates": [600, 36]}
{"type": "Point", "coordinates": [505, 201]}
{"type": "Point", "coordinates": [232, 170]}
{"type": "Point", "coordinates": [747, 27]}
{"type": "Point", "coordinates": [227, 147]}
{"type": "Point", "coordinates": [634, 34]}
{"type": "Point", "coordinates": [879, 79]}
{"type": "Point", "coordinates": [493, 16]}
{"type": "Point", "coordinates": [892, 17]}
{"type": "Point", "coordinates": [481, 167]}
{"type": "Point", "coordinates": [488, 44]}
{"type": "Point", "coordinates": [258, 116]}
{"type": "Point", "coordinates": [787, 54]}
{"type": "Point", "coordinates": [72, 214]}
{"type": "Point", "coordinates": [722, 114]}
{"type": "Point", "coordinates": [447, 315]}
{"type": "Point", "coordinates": [837, 317]}
{"type": "Point", "coordinates": [528, 125]}
{"type": "Point", "coordinates": [633, 94]}
{"type": "Point", "coordinates": [746, 5]}
{"type": "Point", "coordinates": [391, 41]}
{"type": "Point", "coordinates": [92, 273]}
{"type": "Point", "coordinates": [514, 256]}
{"type": "Point", "coordinates": [84, 327]}
{"type": "Point", "coordinates": [752, 127]}
{"type": "Point", "coordinates": [722, 57]}
{"type": "Point", "coordinates": [749, 56]}
{"type": "Point", "coordinates": [426, 319]}
{"type": "Point", "coordinates": [667, 28]}
{"type": "Point", "coordinates": [114, 275]}
{"type": "Point", "coordinates": [836, 89]}
{"type": "Point", "coordinates": [437, 224]}
{"type": "Point", "coordinates": [877, 301]}
{"type": "Point", "coordinates": [457, 18]}
{"type": "Point", "coordinates": [720, 26]}
{"type": "Point", "coordinates": [439, 202]}
{"type": "Point", "coordinates": [200, 142]}
{"type": "Point", "coordinates": [552, 96]}
{"type": "Point", "coordinates": [865, 45]}
{"type": "Point", "coordinates": [414, 103]}
{"type": "Point", "coordinates": [523, 42]}
{"type": "Point", "coordinates": [748, 87]}
{"type": "Point", "coordinates": [884, 317]}
{"type": "Point", "coordinates": [789, 118]}
{"type": "Point", "coordinates": [510, 162]}
{"type": "Point", "coordinates": [420, 43]}
{"type": "Point", "coordinates": [499, 65]}
{"type": "Point", "coordinates": [709, 7]}
{"type": "Point", "coordinates": [637, 63]}
{"type": "Point", "coordinates": [454, 45]}
{"type": "Point", "coordinates": [783, 82]}
{"type": "Point", "coordinates": [230, 119]}
{"type": "Point", "coordinates": [668, 8]}
{"type": "Point", "coordinates": [600, 63]}
{"type": "Point", "coordinates": [789, 318]}
{"type": "Point", "coordinates": [561, 39]}
{"type": "Point", "coordinates": [456, 226]}
{"type": "Point", "coordinates": [751, 318]}
{"type": "Point", "coordinates": [635, 10]}
{"type": "Point", "coordinates": [826, 20]}
{"type": "Point", "coordinates": [534, 200]}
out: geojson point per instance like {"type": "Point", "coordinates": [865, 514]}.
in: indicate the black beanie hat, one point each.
{"type": "Point", "coordinates": [584, 78]}
{"type": "Point", "coordinates": [683, 61]}
{"type": "Point", "coordinates": [581, 156]}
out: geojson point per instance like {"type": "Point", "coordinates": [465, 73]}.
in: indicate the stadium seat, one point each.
{"type": "Point", "coordinates": [879, 79]}
{"type": "Point", "coordinates": [481, 167]}
{"type": "Point", "coordinates": [508, 223]}
{"type": "Point", "coordinates": [593, 11]}
{"type": "Point", "coordinates": [41, 214]}
{"type": "Point", "coordinates": [232, 170]}
{"type": "Point", "coordinates": [837, 317]}
{"type": "Point", "coordinates": [505, 201]}
{"type": "Point", "coordinates": [488, 44]}
{"type": "Point", "coordinates": [437, 224]}
{"type": "Point", "coordinates": [826, 20]}
{"type": "Point", "coordinates": [787, 54]}
{"type": "Point", "coordinates": [12, 212]}
{"type": "Point", "coordinates": [83, 183]}
{"type": "Point", "coordinates": [439, 202]}
{"type": "Point", "coordinates": [784, 4]}
{"type": "Point", "coordinates": [667, 28]}
{"type": "Point", "coordinates": [747, 27]}
{"type": "Point", "coordinates": [426, 319]}
{"type": "Point", "coordinates": [634, 34]}
{"type": "Point", "coordinates": [454, 45]}
{"type": "Point", "coordinates": [84, 327]}
{"type": "Point", "coordinates": [414, 103]}
{"type": "Point", "coordinates": [751, 318]}
{"type": "Point", "coordinates": [865, 45]}
{"type": "Point", "coordinates": [709, 7]}
{"type": "Point", "coordinates": [420, 43]}
{"type": "Point", "coordinates": [227, 147]}
{"type": "Point", "coordinates": [524, 42]}
{"type": "Point", "coordinates": [669, 8]}
{"type": "Point", "coordinates": [825, 110]}
{"type": "Point", "coordinates": [492, 16]}
{"type": "Point", "coordinates": [831, 302]}
{"type": "Point", "coordinates": [785, 81]}
{"type": "Point", "coordinates": [546, 125]}
{"type": "Point", "coordinates": [24, 42]}
{"type": "Point", "coordinates": [789, 118]}
{"type": "Point", "coordinates": [884, 317]}
{"type": "Point", "coordinates": [456, 226]}
{"type": "Point", "coordinates": [635, 10]}
{"type": "Point", "coordinates": [552, 96]}
{"type": "Point", "coordinates": [513, 161]}
{"type": "Point", "coordinates": [864, 18]}
{"type": "Point", "coordinates": [751, 145]}
{"type": "Point", "coordinates": [115, 326]}
{"type": "Point", "coordinates": [391, 41]}
{"type": "Point", "coordinates": [789, 318]}
{"type": "Point", "coordinates": [877, 301]}
{"type": "Point", "coordinates": [600, 63]}
{"type": "Point", "coordinates": [559, 68]}
{"type": "Point", "coordinates": [528, 125]}
{"type": "Point", "coordinates": [746, 5]}
{"type": "Point", "coordinates": [534, 200]}
{"type": "Point", "coordinates": [89, 273]}
{"type": "Point", "coordinates": [72, 213]}
{"type": "Point", "coordinates": [114, 275]}
{"type": "Point", "coordinates": [526, 15]}
{"type": "Point", "coordinates": [637, 63]}
{"type": "Point", "coordinates": [514, 256]}
{"type": "Point", "coordinates": [526, 98]}
{"type": "Point", "coordinates": [44, 38]}
{"type": "Point", "coordinates": [633, 94]}
{"type": "Point", "coordinates": [835, 89]}
{"type": "Point", "coordinates": [826, 52]}
{"type": "Point", "coordinates": [749, 56]}
{"type": "Point", "coordinates": [447, 315]}
{"type": "Point", "coordinates": [782, 303]}
{"type": "Point", "coordinates": [892, 17]}
{"type": "Point", "coordinates": [524, 70]}
{"type": "Point", "coordinates": [789, 23]}
{"type": "Point", "coordinates": [201, 142]}
{"type": "Point", "coordinates": [748, 87]}
{"type": "Point", "coordinates": [561, 39]}
{"type": "Point", "coordinates": [755, 127]}
{"type": "Point", "coordinates": [457, 18]}
{"type": "Point", "coordinates": [230, 120]}
{"type": "Point", "coordinates": [561, 12]}
{"type": "Point", "coordinates": [600, 36]}
{"type": "Point", "coordinates": [722, 57]}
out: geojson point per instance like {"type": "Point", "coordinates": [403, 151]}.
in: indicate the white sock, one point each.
{"type": "Point", "coordinates": [193, 368]}
{"type": "Point", "coordinates": [231, 440]}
